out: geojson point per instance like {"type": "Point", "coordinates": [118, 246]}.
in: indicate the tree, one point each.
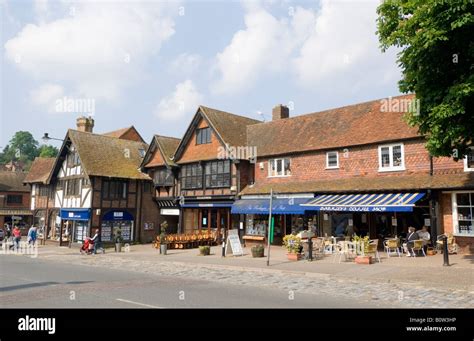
{"type": "Point", "coordinates": [48, 151]}
{"type": "Point", "coordinates": [22, 147]}
{"type": "Point", "coordinates": [436, 58]}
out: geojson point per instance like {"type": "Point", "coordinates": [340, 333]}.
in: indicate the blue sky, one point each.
{"type": "Point", "coordinates": [151, 63]}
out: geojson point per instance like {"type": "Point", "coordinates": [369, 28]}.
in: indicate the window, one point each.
{"type": "Point", "coordinates": [469, 160]}
{"type": "Point", "coordinates": [332, 160]}
{"type": "Point", "coordinates": [191, 176]}
{"type": "Point", "coordinates": [86, 182]}
{"type": "Point", "coordinates": [163, 177]}
{"type": "Point", "coordinates": [142, 152]}
{"type": "Point", "coordinates": [114, 189]}
{"type": "Point", "coordinates": [279, 167]}
{"type": "Point", "coordinates": [391, 158]}
{"type": "Point", "coordinates": [203, 135]}
{"type": "Point", "coordinates": [73, 187]}
{"type": "Point", "coordinates": [14, 199]}
{"type": "Point", "coordinates": [73, 159]}
{"type": "Point", "coordinates": [217, 174]}
{"type": "Point", "coordinates": [43, 190]}
{"type": "Point", "coordinates": [463, 213]}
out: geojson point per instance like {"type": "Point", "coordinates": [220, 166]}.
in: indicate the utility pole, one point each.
{"type": "Point", "coordinates": [269, 226]}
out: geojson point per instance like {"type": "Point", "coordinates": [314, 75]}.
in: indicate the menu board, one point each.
{"type": "Point", "coordinates": [106, 233]}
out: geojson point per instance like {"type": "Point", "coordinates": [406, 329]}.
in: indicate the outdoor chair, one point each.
{"type": "Point", "coordinates": [418, 246]}
{"type": "Point", "coordinates": [373, 249]}
{"type": "Point", "coordinates": [452, 246]}
{"type": "Point", "coordinates": [392, 245]}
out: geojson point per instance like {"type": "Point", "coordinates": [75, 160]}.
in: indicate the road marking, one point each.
{"type": "Point", "coordinates": [138, 303]}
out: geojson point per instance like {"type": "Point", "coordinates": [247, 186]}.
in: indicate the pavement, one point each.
{"type": "Point", "coordinates": [396, 282]}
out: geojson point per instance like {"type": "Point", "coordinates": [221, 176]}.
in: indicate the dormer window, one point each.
{"type": "Point", "coordinates": [203, 135]}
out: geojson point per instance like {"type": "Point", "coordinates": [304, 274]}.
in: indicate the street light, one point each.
{"type": "Point", "coordinates": [46, 138]}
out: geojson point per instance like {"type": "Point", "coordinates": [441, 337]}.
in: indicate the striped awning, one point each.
{"type": "Point", "coordinates": [165, 203]}
{"type": "Point", "coordinates": [375, 202]}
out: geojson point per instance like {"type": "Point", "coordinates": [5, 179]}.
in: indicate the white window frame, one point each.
{"type": "Point", "coordinates": [455, 213]}
{"type": "Point", "coordinates": [282, 160]}
{"type": "Point", "coordinates": [466, 168]}
{"type": "Point", "coordinates": [327, 160]}
{"type": "Point", "coordinates": [392, 168]}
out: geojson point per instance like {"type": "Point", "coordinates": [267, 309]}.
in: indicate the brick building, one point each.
{"type": "Point", "coordinates": [14, 200]}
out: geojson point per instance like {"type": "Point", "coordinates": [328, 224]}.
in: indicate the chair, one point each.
{"type": "Point", "coordinates": [373, 249]}
{"type": "Point", "coordinates": [418, 246]}
{"type": "Point", "coordinates": [318, 247]}
{"type": "Point", "coordinates": [392, 245]}
{"type": "Point", "coordinates": [452, 246]}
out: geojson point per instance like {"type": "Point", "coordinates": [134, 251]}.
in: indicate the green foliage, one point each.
{"type": "Point", "coordinates": [22, 147]}
{"type": "Point", "coordinates": [365, 240]}
{"type": "Point", "coordinates": [205, 250]}
{"type": "Point", "coordinates": [163, 232]}
{"type": "Point", "coordinates": [48, 151]}
{"type": "Point", "coordinates": [292, 243]}
{"type": "Point", "coordinates": [118, 236]}
{"type": "Point", "coordinates": [436, 58]}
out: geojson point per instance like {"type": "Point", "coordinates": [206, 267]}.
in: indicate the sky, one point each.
{"type": "Point", "coordinates": [152, 63]}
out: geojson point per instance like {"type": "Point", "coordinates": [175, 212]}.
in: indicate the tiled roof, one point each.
{"type": "Point", "coordinates": [125, 133]}
{"type": "Point", "coordinates": [358, 124]}
{"type": "Point", "coordinates": [367, 184]}
{"type": "Point", "coordinates": [164, 152]}
{"type": "Point", "coordinates": [40, 170]}
{"type": "Point", "coordinates": [13, 182]}
{"type": "Point", "coordinates": [231, 128]}
{"type": "Point", "coordinates": [108, 156]}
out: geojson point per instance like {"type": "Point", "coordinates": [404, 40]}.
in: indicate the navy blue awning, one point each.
{"type": "Point", "coordinates": [261, 206]}
{"type": "Point", "coordinates": [117, 215]}
{"type": "Point", "coordinates": [75, 213]}
{"type": "Point", "coordinates": [206, 204]}
{"type": "Point", "coordinates": [384, 202]}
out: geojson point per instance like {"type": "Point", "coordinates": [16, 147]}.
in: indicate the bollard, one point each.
{"type": "Point", "coordinates": [310, 249]}
{"type": "Point", "coordinates": [445, 251]}
{"type": "Point", "coordinates": [223, 246]}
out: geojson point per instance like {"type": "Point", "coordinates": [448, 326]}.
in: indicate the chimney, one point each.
{"type": "Point", "coordinates": [85, 124]}
{"type": "Point", "coordinates": [279, 112]}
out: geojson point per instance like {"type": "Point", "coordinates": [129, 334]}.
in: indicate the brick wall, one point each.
{"type": "Point", "coordinates": [131, 135]}
{"type": "Point", "coordinates": [355, 162]}
{"type": "Point", "coordinates": [25, 203]}
{"type": "Point", "coordinates": [150, 213]}
{"type": "Point", "coordinates": [195, 152]}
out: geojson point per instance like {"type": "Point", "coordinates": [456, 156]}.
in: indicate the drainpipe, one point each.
{"type": "Point", "coordinates": [433, 222]}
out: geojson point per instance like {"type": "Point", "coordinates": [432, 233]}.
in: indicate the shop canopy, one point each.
{"type": "Point", "coordinates": [385, 202]}
{"type": "Point", "coordinates": [75, 213]}
{"type": "Point", "coordinates": [261, 206]}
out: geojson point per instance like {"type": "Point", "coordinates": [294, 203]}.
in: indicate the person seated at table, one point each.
{"type": "Point", "coordinates": [411, 237]}
{"type": "Point", "coordinates": [425, 236]}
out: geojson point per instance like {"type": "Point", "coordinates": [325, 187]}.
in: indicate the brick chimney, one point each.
{"type": "Point", "coordinates": [279, 112]}
{"type": "Point", "coordinates": [85, 124]}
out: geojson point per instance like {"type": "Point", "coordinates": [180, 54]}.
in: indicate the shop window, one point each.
{"type": "Point", "coordinates": [256, 225]}
{"type": "Point", "coordinates": [279, 167]}
{"type": "Point", "coordinates": [217, 174]}
{"type": "Point", "coordinates": [14, 199]}
{"type": "Point", "coordinates": [463, 213]}
{"type": "Point", "coordinates": [469, 160]}
{"type": "Point", "coordinates": [203, 135]}
{"type": "Point", "coordinates": [332, 160]}
{"type": "Point", "coordinates": [191, 176]}
{"type": "Point", "coordinates": [391, 158]}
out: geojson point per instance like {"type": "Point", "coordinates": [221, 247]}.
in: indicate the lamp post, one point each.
{"type": "Point", "coordinates": [46, 138]}
{"type": "Point", "coordinates": [269, 226]}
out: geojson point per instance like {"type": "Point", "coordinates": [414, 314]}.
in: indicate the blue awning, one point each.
{"type": "Point", "coordinates": [261, 206]}
{"type": "Point", "coordinates": [206, 204]}
{"type": "Point", "coordinates": [75, 213]}
{"type": "Point", "coordinates": [117, 215]}
{"type": "Point", "coordinates": [385, 202]}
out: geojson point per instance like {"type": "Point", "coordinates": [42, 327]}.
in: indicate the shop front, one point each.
{"type": "Point", "coordinates": [288, 216]}
{"type": "Point", "coordinates": [16, 217]}
{"type": "Point", "coordinates": [169, 212]}
{"type": "Point", "coordinates": [212, 215]}
{"type": "Point", "coordinates": [48, 223]}
{"type": "Point", "coordinates": [115, 220]}
{"type": "Point", "coordinates": [75, 225]}
{"type": "Point", "coordinates": [377, 215]}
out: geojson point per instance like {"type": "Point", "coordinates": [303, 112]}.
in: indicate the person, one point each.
{"type": "Point", "coordinates": [96, 240]}
{"type": "Point", "coordinates": [411, 237]}
{"type": "Point", "coordinates": [16, 237]}
{"type": "Point", "coordinates": [32, 235]}
{"type": "Point", "coordinates": [425, 236]}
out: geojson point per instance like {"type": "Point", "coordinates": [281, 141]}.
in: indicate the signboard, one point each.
{"type": "Point", "coordinates": [427, 222]}
{"type": "Point", "coordinates": [394, 221]}
{"type": "Point", "coordinates": [106, 233]}
{"type": "Point", "coordinates": [233, 241]}
{"type": "Point", "coordinates": [169, 211]}
{"type": "Point", "coordinates": [149, 226]}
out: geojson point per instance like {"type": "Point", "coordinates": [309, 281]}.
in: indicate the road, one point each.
{"type": "Point", "coordinates": [37, 283]}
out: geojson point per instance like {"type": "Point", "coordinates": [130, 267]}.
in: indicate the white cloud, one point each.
{"type": "Point", "coordinates": [336, 46]}
{"type": "Point", "coordinates": [98, 48]}
{"type": "Point", "coordinates": [182, 102]}
{"type": "Point", "coordinates": [185, 63]}
{"type": "Point", "coordinates": [46, 94]}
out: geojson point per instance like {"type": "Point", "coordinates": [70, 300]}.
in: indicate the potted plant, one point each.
{"type": "Point", "coordinates": [204, 250]}
{"type": "Point", "coordinates": [293, 245]}
{"type": "Point", "coordinates": [118, 240]}
{"type": "Point", "coordinates": [257, 250]}
{"type": "Point", "coordinates": [363, 256]}
{"type": "Point", "coordinates": [163, 241]}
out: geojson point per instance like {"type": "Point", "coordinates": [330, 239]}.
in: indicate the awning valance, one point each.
{"type": "Point", "coordinates": [206, 204]}
{"type": "Point", "coordinates": [75, 213]}
{"type": "Point", "coordinates": [9, 212]}
{"type": "Point", "coordinates": [375, 202]}
{"type": "Point", "coordinates": [261, 206]}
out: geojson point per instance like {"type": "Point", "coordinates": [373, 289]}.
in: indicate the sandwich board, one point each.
{"type": "Point", "coordinates": [233, 244]}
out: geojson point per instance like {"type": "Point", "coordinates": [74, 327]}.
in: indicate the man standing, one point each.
{"type": "Point", "coordinates": [96, 240]}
